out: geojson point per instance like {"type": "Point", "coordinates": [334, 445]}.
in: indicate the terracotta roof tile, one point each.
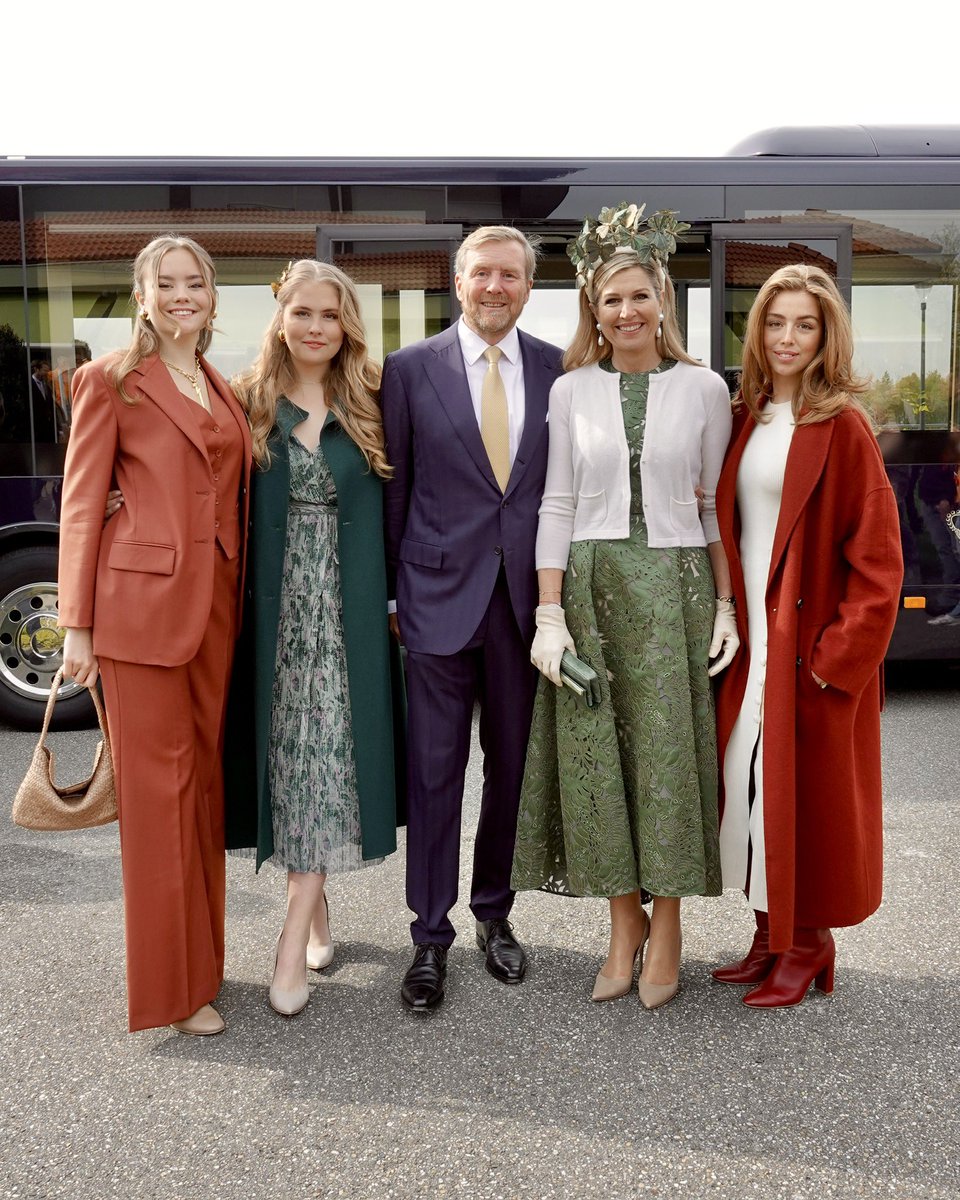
{"type": "Point", "coordinates": [112, 236]}
{"type": "Point", "coordinates": [225, 233]}
{"type": "Point", "coordinates": [750, 264]}
{"type": "Point", "coordinates": [869, 237]}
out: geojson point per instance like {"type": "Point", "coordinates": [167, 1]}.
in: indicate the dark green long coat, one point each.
{"type": "Point", "coordinates": [373, 675]}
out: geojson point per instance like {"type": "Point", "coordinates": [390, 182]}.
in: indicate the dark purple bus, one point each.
{"type": "Point", "coordinates": [879, 208]}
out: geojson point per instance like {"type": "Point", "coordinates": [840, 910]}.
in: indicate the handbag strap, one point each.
{"type": "Point", "coordinates": [52, 699]}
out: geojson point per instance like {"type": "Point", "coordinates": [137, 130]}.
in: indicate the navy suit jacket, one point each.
{"type": "Point", "coordinates": [448, 526]}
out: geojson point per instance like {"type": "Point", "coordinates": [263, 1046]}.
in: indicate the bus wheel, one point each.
{"type": "Point", "coordinates": [31, 645]}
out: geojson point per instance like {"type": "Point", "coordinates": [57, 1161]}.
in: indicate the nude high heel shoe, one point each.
{"type": "Point", "coordinates": [320, 956]}
{"type": "Point", "coordinates": [287, 1003]}
{"type": "Point", "coordinates": [655, 995]}
{"type": "Point", "coordinates": [610, 987]}
{"type": "Point", "coordinates": [205, 1022]}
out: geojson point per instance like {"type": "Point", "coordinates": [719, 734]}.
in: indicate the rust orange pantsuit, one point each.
{"type": "Point", "coordinates": [160, 587]}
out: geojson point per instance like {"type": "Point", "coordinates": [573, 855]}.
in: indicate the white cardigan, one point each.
{"type": "Point", "coordinates": [587, 491]}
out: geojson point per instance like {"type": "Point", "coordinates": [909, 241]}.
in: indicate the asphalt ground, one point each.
{"type": "Point", "coordinates": [527, 1091]}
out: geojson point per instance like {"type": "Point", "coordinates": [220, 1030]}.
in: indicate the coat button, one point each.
{"type": "Point", "coordinates": [799, 660]}
{"type": "Point", "coordinates": [800, 603]}
{"type": "Point", "coordinates": [498, 550]}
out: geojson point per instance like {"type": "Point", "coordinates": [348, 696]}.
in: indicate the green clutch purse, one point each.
{"type": "Point", "coordinates": [581, 679]}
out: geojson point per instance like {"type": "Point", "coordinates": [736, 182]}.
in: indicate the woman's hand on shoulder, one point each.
{"type": "Point", "coordinates": [79, 661]}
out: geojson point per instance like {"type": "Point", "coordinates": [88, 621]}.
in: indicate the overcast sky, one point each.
{"type": "Point", "coordinates": [444, 77]}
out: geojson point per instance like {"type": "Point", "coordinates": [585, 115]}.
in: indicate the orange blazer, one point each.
{"type": "Point", "coordinates": [143, 582]}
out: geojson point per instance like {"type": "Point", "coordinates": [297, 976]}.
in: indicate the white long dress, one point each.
{"type": "Point", "coordinates": [759, 489]}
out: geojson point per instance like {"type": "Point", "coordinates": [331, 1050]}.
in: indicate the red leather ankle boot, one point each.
{"type": "Point", "coordinates": [755, 967]}
{"type": "Point", "coordinates": [809, 960]}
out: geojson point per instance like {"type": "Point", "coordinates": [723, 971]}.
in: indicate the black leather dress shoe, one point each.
{"type": "Point", "coordinates": [422, 987]}
{"type": "Point", "coordinates": [506, 960]}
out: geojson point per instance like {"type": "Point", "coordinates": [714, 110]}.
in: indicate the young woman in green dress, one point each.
{"type": "Point", "coordinates": [623, 796]}
{"type": "Point", "coordinates": [310, 755]}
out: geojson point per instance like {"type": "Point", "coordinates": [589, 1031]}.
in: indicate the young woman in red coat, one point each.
{"type": "Point", "coordinates": [810, 527]}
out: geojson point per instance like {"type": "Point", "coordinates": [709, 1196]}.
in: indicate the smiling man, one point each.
{"type": "Point", "coordinates": [465, 418]}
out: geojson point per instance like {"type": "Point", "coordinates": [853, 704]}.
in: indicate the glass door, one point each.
{"type": "Point", "coordinates": [743, 257]}
{"type": "Point", "coordinates": [404, 274]}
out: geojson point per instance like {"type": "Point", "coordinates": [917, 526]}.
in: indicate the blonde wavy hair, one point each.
{"type": "Point", "coordinates": [146, 277]}
{"type": "Point", "coordinates": [352, 384]}
{"type": "Point", "coordinates": [828, 385]}
{"type": "Point", "coordinates": [583, 350]}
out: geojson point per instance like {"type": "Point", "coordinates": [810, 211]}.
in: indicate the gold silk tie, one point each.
{"type": "Point", "coordinates": [494, 425]}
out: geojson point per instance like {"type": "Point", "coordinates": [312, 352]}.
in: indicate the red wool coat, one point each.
{"type": "Point", "coordinates": [832, 596]}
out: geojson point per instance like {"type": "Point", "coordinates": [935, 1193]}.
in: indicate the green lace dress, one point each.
{"type": "Point", "coordinates": [313, 777]}
{"type": "Point", "coordinates": [624, 795]}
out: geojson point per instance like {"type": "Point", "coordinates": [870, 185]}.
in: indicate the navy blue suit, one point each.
{"type": "Point", "coordinates": [460, 562]}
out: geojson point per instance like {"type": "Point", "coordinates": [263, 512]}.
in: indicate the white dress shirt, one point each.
{"type": "Point", "coordinates": [472, 347]}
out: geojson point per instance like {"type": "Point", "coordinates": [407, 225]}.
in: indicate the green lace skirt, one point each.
{"type": "Point", "coordinates": [624, 795]}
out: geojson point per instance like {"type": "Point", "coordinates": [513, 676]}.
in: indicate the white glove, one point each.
{"type": "Point", "coordinates": [550, 641]}
{"type": "Point", "coordinates": [725, 641]}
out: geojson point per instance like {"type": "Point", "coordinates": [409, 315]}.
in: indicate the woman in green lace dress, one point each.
{"type": "Point", "coordinates": [623, 796]}
{"type": "Point", "coordinates": [310, 759]}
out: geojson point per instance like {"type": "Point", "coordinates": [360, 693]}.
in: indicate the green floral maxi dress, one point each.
{"type": "Point", "coordinates": [313, 779]}
{"type": "Point", "coordinates": [624, 795]}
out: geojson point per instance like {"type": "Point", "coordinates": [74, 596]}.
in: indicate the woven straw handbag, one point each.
{"type": "Point", "coordinates": [41, 804]}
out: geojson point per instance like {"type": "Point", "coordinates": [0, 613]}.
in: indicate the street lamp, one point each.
{"type": "Point", "coordinates": [923, 294]}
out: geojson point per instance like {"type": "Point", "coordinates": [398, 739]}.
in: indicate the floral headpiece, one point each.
{"type": "Point", "coordinates": [622, 228]}
{"type": "Point", "coordinates": [281, 279]}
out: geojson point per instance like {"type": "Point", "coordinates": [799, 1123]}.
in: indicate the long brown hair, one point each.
{"type": "Point", "coordinates": [584, 350]}
{"type": "Point", "coordinates": [352, 383]}
{"type": "Point", "coordinates": [828, 385]}
{"type": "Point", "coordinates": [146, 277]}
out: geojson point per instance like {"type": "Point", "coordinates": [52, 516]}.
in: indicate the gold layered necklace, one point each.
{"type": "Point", "coordinates": [193, 380]}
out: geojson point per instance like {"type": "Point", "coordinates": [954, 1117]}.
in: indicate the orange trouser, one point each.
{"type": "Point", "coordinates": [166, 730]}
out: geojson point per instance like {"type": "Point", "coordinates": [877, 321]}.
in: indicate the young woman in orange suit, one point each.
{"type": "Point", "coordinates": [810, 527]}
{"type": "Point", "coordinates": [149, 603]}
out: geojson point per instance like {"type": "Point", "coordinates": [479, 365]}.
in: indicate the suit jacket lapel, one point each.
{"type": "Point", "coordinates": [538, 378]}
{"type": "Point", "coordinates": [448, 375]}
{"type": "Point", "coordinates": [154, 381]}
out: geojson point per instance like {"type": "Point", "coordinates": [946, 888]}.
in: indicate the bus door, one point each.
{"type": "Point", "coordinates": [404, 274]}
{"type": "Point", "coordinates": [744, 256]}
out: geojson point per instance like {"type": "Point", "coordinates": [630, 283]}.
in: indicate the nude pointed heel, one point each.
{"type": "Point", "coordinates": [613, 987]}
{"type": "Point", "coordinates": [319, 957]}
{"type": "Point", "coordinates": [287, 1003]}
{"type": "Point", "coordinates": [655, 995]}
{"type": "Point", "coordinates": [205, 1022]}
